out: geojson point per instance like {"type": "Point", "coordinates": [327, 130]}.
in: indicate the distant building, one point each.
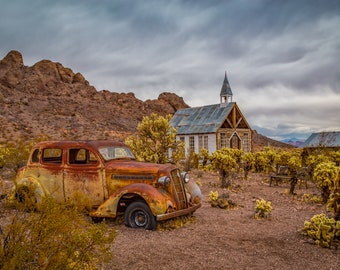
{"type": "Point", "coordinates": [323, 139]}
{"type": "Point", "coordinates": [214, 126]}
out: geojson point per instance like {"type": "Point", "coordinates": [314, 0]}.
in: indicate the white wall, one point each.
{"type": "Point", "coordinates": [211, 142]}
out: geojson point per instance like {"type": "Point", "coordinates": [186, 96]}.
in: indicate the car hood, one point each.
{"type": "Point", "coordinates": [138, 167]}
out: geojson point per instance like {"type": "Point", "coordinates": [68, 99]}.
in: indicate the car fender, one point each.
{"type": "Point", "coordinates": [157, 199]}
{"type": "Point", "coordinates": [194, 192]}
{"type": "Point", "coordinates": [33, 185]}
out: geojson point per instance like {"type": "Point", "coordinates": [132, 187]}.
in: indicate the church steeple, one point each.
{"type": "Point", "coordinates": [226, 95]}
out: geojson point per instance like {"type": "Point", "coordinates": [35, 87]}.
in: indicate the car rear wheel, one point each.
{"type": "Point", "coordinates": [139, 215]}
{"type": "Point", "coordinates": [26, 198]}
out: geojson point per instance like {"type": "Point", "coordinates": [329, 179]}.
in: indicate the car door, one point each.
{"type": "Point", "coordinates": [83, 177]}
{"type": "Point", "coordinates": [50, 172]}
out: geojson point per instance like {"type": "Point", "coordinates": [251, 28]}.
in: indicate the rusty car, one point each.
{"type": "Point", "coordinates": [109, 176]}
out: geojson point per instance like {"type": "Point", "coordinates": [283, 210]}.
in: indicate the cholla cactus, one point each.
{"type": "Point", "coordinates": [323, 230]}
{"type": "Point", "coordinates": [213, 196]}
{"type": "Point", "coordinates": [263, 209]}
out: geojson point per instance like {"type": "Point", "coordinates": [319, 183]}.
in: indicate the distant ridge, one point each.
{"type": "Point", "coordinates": [293, 141]}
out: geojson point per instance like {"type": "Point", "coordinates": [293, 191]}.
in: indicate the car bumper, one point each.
{"type": "Point", "coordinates": [178, 213]}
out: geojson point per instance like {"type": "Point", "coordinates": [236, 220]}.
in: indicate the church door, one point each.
{"type": "Point", "coordinates": [235, 142]}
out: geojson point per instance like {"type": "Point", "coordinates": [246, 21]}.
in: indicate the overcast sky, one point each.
{"type": "Point", "coordinates": [282, 58]}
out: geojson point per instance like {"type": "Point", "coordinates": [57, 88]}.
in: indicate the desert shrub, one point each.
{"type": "Point", "coordinates": [15, 155]}
{"type": "Point", "coordinates": [81, 202]}
{"type": "Point", "coordinates": [248, 162]}
{"type": "Point", "coordinates": [313, 160]}
{"type": "Point", "coordinates": [336, 157]}
{"type": "Point", "coordinates": [282, 158]}
{"type": "Point", "coordinates": [312, 198]}
{"type": "Point", "coordinates": [326, 176]}
{"type": "Point", "coordinates": [191, 161]}
{"type": "Point", "coordinates": [225, 161]}
{"type": "Point", "coordinates": [262, 162]}
{"type": "Point", "coordinates": [56, 237]}
{"type": "Point", "coordinates": [213, 196]}
{"type": "Point", "coordinates": [263, 209]}
{"type": "Point", "coordinates": [221, 201]}
{"type": "Point", "coordinates": [323, 230]}
{"type": "Point", "coordinates": [333, 203]}
{"type": "Point", "coordinates": [204, 156]}
{"type": "Point", "coordinates": [155, 140]}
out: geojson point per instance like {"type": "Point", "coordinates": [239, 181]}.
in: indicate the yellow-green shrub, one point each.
{"type": "Point", "coordinates": [56, 237]}
{"type": "Point", "coordinates": [323, 230]}
{"type": "Point", "coordinates": [155, 139]}
{"type": "Point", "coordinates": [213, 196]}
{"type": "Point", "coordinates": [326, 177]}
{"type": "Point", "coordinates": [263, 209]}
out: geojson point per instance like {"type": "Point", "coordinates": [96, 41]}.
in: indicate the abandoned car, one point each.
{"type": "Point", "coordinates": [108, 176]}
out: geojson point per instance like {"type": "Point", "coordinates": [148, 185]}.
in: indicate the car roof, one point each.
{"type": "Point", "coordinates": [79, 143]}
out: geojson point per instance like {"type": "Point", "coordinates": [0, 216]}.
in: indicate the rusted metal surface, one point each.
{"type": "Point", "coordinates": [62, 169]}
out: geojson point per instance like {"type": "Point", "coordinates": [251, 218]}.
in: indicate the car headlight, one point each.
{"type": "Point", "coordinates": [185, 177]}
{"type": "Point", "coordinates": [164, 181]}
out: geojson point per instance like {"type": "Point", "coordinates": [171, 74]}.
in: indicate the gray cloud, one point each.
{"type": "Point", "coordinates": [280, 56]}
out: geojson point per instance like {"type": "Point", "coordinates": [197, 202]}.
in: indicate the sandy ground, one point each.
{"type": "Point", "coordinates": [230, 239]}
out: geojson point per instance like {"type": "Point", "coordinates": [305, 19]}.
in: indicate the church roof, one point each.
{"type": "Point", "coordinates": [206, 119]}
{"type": "Point", "coordinates": [226, 90]}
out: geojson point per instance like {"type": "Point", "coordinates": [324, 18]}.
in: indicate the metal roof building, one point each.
{"type": "Point", "coordinates": [214, 126]}
{"type": "Point", "coordinates": [323, 139]}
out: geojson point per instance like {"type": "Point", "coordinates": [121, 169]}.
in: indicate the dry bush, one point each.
{"type": "Point", "coordinates": [56, 237]}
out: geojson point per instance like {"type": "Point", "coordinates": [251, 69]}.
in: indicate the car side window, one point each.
{"type": "Point", "coordinates": [81, 156]}
{"type": "Point", "coordinates": [52, 155]}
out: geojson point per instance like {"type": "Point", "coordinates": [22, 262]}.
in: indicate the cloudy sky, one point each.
{"type": "Point", "coordinates": [281, 57]}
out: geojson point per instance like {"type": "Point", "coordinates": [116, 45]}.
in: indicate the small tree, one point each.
{"type": "Point", "coordinates": [294, 166]}
{"type": "Point", "coordinates": [204, 155]}
{"type": "Point", "coordinates": [224, 162]}
{"type": "Point", "coordinates": [155, 140]}
{"type": "Point", "coordinates": [265, 160]}
{"type": "Point", "coordinates": [248, 162]}
{"type": "Point", "coordinates": [326, 175]}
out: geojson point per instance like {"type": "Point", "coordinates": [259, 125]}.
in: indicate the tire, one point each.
{"type": "Point", "coordinates": [138, 215]}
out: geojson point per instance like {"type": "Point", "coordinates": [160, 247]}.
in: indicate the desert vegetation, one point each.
{"type": "Point", "coordinates": [62, 236]}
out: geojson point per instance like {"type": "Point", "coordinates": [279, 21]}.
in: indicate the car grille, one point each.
{"type": "Point", "coordinates": [178, 188]}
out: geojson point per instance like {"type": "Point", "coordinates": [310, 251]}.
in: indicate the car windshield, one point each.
{"type": "Point", "coordinates": [116, 152]}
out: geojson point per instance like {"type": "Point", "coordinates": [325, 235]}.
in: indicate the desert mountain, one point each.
{"type": "Point", "coordinates": [50, 99]}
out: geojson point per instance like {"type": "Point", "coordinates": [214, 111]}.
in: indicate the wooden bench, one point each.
{"type": "Point", "coordinates": [282, 173]}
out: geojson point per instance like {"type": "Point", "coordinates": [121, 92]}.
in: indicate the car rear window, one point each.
{"type": "Point", "coordinates": [52, 155]}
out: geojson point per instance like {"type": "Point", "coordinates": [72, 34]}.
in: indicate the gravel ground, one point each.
{"type": "Point", "coordinates": [231, 239]}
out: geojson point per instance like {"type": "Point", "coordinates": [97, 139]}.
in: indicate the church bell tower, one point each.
{"type": "Point", "coordinates": [226, 94]}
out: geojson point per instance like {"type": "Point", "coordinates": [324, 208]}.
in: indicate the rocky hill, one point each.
{"type": "Point", "coordinates": [50, 99]}
{"type": "Point", "coordinates": [260, 142]}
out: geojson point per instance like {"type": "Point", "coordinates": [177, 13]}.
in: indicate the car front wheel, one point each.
{"type": "Point", "coordinates": [139, 215]}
